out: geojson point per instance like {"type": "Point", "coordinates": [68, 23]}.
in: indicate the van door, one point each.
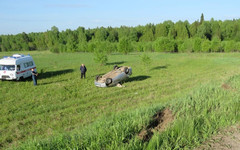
{"type": "Point", "coordinates": [18, 69]}
{"type": "Point", "coordinates": [25, 72]}
{"type": "Point", "coordinates": [30, 64]}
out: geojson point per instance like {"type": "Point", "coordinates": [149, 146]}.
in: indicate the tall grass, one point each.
{"type": "Point", "coordinates": [197, 116]}
{"type": "Point", "coordinates": [70, 112]}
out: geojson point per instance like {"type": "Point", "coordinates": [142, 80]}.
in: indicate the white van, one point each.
{"type": "Point", "coordinates": [16, 67]}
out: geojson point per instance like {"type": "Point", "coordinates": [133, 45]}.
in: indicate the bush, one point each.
{"type": "Point", "coordinates": [55, 48]}
{"type": "Point", "coordinates": [125, 45]}
{"type": "Point", "coordinates": [91, 46]}
{"type": "Point", "coordinates": [238, 46]}
{"type": "Point", "coordinates": [143, 46]}
{"type": "Point", "coordinates": [197, 45]}
{"type": "Point", "coordinates": [100, 57]}
{"type": "Point", "coordinates": [164, 44]}
{"type": "Point", "coordinates": [216, 45]}
{"type": "Point", "coordinates": [146, 60]}
{"type": "Point", "coordinates": [186, 46]}
{"type": "Point", "coordinates": [148, 47]}
{"type": "Point", "coordinates": [230, 46]}
{"type": "Point", "coordinates": [206, 46]}
{"type": "Point", "coordinates": [137, 46]}
{"type": "Point", "coordinates": [109, 47]}
{"type": "Point", "coordinates": [82, 47]}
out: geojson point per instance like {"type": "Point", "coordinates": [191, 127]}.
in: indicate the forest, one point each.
{"type": "Point", "coordinates": [182, 36]}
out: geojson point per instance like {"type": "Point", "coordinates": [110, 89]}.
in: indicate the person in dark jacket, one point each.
{"type": "Point", "coordinates": [83, 70]}
{"type": "Point", "coordinates": [34, 77]}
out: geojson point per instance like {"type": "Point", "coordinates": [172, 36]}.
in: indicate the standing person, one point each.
{"type": "Point", "coordinates": [83, 70]}
{"type": "Point", "coordinates": [34, 77]}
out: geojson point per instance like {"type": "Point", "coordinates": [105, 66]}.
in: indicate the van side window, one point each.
{"type": "Point", "coordinates": [18, 68]}
{"type": "Point", "coordinates": [28, 64]}
{"type": "Point", "coordinates": [25, 65]}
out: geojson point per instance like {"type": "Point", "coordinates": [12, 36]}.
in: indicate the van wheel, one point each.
{"type": "Point", "coordinates": [20, 79]}
{"type": "Point", "coordinates": [108, 81]}
{"type": "Point", "coordinates": [126, 70]}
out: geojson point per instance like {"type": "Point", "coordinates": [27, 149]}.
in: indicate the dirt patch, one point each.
{"type": "Point", "coordinates": [228, 139]}
{"type": "Point", "coordinates": [159, 123]}
{"type": "Point", "coordinates": [226, 86]}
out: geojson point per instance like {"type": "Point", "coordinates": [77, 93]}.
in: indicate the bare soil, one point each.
{"type": "Point", "coordinates": [227, 139]}
{"type": "Point", "coordinates": [159, 123]}
{"type": "Point", "coordinates": [226, 86]}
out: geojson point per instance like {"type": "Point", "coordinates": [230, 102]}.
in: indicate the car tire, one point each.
{"type": "Point", "coordinates": [126, 70]}
{"type": "Point", "coordinates": [108, 81]}
{"type": "Point", "coordinates": [115, 67]}
{"type": "Point", "coordinates": [97, 77]}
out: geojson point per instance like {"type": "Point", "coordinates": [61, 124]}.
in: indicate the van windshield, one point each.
{"type": "Point", "coordinates": [7, 67]}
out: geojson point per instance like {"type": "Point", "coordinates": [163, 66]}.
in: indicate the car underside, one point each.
{"type": "Point", "coordinates": [114, 77]}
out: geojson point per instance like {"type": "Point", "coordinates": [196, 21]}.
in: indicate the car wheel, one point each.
{"type": "Point", "coordinates": [115, 67]}
{"type": "Point", "coordinates": [97, 77]}
{"type": "Point", "coordinates": [108, 81]}
{"type": "Point", "coordinates": [126, 70]}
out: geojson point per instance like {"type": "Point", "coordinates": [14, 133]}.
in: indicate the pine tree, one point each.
{"type": "Point", "coordinates": [202, 18]}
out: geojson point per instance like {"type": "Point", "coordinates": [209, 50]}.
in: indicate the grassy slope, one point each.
{"type": "Point", "coordinates": [62, 102]}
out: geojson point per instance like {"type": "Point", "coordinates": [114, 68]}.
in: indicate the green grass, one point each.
{"type": "Point", "coordinates": [66, 112]}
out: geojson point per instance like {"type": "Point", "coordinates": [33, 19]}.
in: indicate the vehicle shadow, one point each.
{"type": "Point", "coordinates": [48, 74]}
{"type": "Point", "coordinates": [160, 67]}
{"type": "Point", "coordinates": [116, 63]}
{"type": "Point", "coordinates": [25, 79]}
{"type": "Point", "coordinates": [138, 78]}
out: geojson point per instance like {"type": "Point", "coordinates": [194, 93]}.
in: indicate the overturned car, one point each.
{"type": "Point", "coordinates": [114, 77]}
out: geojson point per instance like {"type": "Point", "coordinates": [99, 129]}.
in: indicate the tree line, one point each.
{"type": "Point", "coordinates": [182, 36]}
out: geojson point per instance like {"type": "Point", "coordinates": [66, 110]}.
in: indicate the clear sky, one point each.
{"type": "Point", "coordinates": [17, 16]}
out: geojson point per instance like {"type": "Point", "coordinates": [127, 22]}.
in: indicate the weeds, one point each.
{"type": "Point", "coordinates": [65, 112]}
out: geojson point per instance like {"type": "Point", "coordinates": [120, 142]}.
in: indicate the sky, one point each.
{"type": "Point", "coordinates": [17, 16]}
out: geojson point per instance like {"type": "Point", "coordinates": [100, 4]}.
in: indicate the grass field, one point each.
{"type": "Point", "coordinates": [66, 112]}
